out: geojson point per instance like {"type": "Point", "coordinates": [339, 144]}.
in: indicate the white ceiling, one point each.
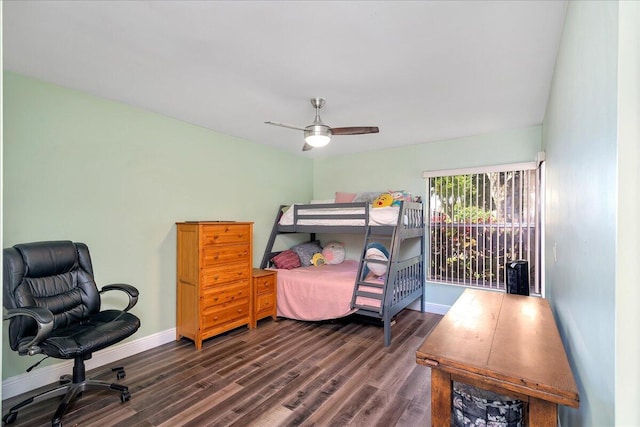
{"type": "Point", "coordinates": [422, 71]}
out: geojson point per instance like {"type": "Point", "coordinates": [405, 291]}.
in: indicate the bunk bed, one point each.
{"type": "Point", "coordinates": [339, 290]}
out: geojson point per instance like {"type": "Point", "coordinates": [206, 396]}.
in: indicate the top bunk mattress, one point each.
{"type": "Point", "coordinates": [377, 216]}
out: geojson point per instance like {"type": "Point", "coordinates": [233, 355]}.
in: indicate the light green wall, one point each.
{"type": "Point", "coordinates": [401, 169]}
{"type": "Point", "coordinates": [118, 178]}
{"type": "Point", "coordinates": [580, 140]}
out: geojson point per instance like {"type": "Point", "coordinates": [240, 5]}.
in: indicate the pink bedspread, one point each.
{"type": "Point", "coordinates": [318, 293]}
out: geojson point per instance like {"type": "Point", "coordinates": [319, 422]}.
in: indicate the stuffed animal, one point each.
{"type": "Point", "coordinates": [318, 259]}
{"type": "Point", "coordinates": [398, 197]}
{"type": "Point", "coordinates": [375, 251]}
{"type": "Point", "coordinates": [383, 200]}
{"type": "Point", "coordinates": [333, 253]}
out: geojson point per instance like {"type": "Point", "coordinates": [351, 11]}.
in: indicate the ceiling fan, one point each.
{"type": "Point", "coordinates": [318, 134]}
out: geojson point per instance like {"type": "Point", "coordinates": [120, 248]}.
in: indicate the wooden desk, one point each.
{"type": "Point", "coordinates": [505, 343]}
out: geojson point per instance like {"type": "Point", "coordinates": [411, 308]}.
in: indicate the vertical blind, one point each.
{"type": "Point", "coordinates": [480, 220]}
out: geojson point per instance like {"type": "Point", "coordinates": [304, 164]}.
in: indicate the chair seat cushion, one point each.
{"type": "Point", "coordinates": [100, 331]}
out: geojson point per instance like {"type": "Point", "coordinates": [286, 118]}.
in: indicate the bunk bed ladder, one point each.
{"type": "Point", "coordinates": [376, 290]}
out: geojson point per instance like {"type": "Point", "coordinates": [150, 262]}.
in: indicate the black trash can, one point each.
{"type": "Point", "coordinates": [518, 277]}
{"type": "Point", "coordinates": [475, 407]}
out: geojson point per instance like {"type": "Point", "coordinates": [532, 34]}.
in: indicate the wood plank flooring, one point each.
{"type": "Point", "coordinates": [284, 373]}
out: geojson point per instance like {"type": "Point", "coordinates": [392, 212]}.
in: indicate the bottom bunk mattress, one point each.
{"type": "Point", "coordinates": [320, 293]}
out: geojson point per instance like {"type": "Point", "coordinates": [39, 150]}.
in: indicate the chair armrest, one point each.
{"type": "Point", "coordinates": [44, 319]}
{"type": "Point", "coordinates": [131, 291]}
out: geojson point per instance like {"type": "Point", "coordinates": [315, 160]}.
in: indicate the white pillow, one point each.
{"type": "Point", "coordinates": [374, 267]}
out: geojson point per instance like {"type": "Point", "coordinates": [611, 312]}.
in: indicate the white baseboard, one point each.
{"type": "Point", "coordinates": [50, 374]}
{"type": "Point", "coordinates": [437, 308]}
{"type": "Point", "coordinates": [430, 308]}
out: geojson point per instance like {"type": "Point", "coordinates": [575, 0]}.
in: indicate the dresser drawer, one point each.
{"type": "Point", "coordinates": [222, 254]}
{"type": "Point", "coordinates": [225, 273]}
{"type": "Point", "coordinates": [265, 284]}
{"type": "Point", "coordinates": [265, 304]}
{"type": "Point", "coordinates": [227, 233]}
{"type": "Point", "coordinates": [224, 294]}
{"type": "Point", "coordinates": [225, 313]}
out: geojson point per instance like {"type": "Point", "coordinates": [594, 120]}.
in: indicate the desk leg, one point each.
{"type": "Point", "coordinates": [542, 413]}
{"type": "Point", "coordinates": [440, 398]}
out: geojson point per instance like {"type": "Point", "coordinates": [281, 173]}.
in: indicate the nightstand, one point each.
{"type": "Point", "coordinates": [263, 287]}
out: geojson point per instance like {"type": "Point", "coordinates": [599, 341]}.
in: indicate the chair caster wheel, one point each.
{"type": "Point", "coordinates": [10, 417]}
{"type": "Point", "coordinates": [56, 423]}
{"type": "Point", "coordinates": [120, 374]}
{"type": "Point", "coordinates": [125, 396]}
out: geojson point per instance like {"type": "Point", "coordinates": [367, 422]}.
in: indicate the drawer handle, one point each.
{"type": "Point", "coordinates": [215, 277]}
{"type": "Point", "coordinates": [239, 310]}
{"type": "Point", "coordinates": [215, 318]}
{"type": "Point", "coordinates": [226, 230]}
{"type": "Point", "coordinates": [215, 299]}
{"type": "Point", "coordinates": [216, 257]}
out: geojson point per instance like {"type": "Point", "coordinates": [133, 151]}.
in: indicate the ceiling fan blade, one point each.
{"type": "Point", "coordinates": [356, 130]}
{"type": "Point", "coordinates": [284, 125]}
{"type": "Point", "coordinates": [306, 147]}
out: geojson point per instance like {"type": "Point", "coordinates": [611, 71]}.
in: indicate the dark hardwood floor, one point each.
{"type": "Point", "coordinates": [284, 373]}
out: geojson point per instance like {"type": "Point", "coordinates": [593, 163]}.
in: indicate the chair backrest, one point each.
{"type": "Point", "coordinates": [57, 275]}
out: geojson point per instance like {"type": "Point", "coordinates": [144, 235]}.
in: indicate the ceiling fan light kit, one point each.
{"type": "Point", "coordinates": [319, 134]}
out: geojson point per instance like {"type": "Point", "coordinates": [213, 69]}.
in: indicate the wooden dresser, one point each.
{"type": "Point", "coordinates": [214, 278]}
{"type": "Point", "coordinates": [264, 295]}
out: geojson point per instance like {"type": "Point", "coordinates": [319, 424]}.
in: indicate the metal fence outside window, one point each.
{"type": "Point", "coordinates": [481, 220]}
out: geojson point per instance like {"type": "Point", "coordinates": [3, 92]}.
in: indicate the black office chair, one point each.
{"type": "Point", "coordinates": [53, 305]}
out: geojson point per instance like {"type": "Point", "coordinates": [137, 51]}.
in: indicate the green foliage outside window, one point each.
{"type": "Point", "coordinates": [479, 225]}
